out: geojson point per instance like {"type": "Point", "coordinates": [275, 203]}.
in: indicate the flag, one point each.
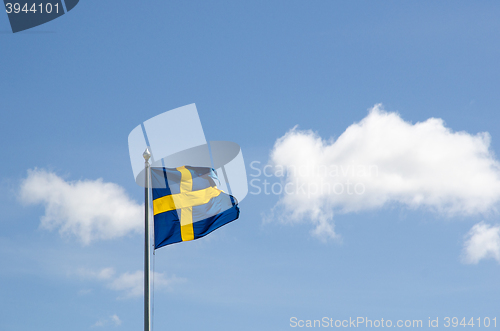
{"type": "Point", "coordinates": [187, 204]}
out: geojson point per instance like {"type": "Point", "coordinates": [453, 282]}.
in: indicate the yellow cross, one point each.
{"type": "Point", "coordinates": [185, 201]}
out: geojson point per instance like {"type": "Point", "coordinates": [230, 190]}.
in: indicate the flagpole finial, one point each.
{"type": "Point", "coordinates": [147, 154]}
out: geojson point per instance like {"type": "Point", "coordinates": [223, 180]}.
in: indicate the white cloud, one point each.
{"type": "Point", "coordinates": [129, 284]}
{"type": "Point", "coordinates": [88, 209]}
{"type": "Point", "coordinates": [103, 274]}
{"type": "Point", "coordinates": [112, 320]}
{"type": "Point", "coordinates": [482, 242]}
{"type": "Point", "coordinates": [99, 323]}
{"type": "Point", "coordinates": [116, 320]}
{"type": "Point", "coordinates": [132, 284]}
{"type": "Point", "coordinates": [383, 160]}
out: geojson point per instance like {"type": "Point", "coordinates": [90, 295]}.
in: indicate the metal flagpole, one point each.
{"type": "Point", "coordinates": [147, 255]}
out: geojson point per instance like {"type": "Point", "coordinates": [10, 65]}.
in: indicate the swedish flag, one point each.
{"type": "Point", "coordinates": [188, 205]}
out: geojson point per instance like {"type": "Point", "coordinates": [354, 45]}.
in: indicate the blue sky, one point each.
{"type": "Point", "coordinates": [71, 91]}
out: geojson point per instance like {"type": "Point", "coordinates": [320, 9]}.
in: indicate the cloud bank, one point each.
{"type": "Point", "coordinates": [88, 209]}
{"type": "Point", "coordinates": [383, 160]}
{"type": "Point", "coordinates": [482, 242]}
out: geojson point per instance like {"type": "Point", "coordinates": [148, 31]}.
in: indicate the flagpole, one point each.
{"type": "Point", "coordinates": [147, 255]}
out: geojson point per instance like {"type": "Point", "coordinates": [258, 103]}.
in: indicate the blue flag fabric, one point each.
{"type": "Point", "coordinates": [187, 204]}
